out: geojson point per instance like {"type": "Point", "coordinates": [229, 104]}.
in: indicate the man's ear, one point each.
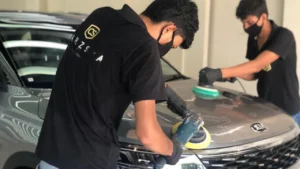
{"type": "Point", "coordinates": [169, 27]}
{"type": "Point", "coordinates": [265, 16]}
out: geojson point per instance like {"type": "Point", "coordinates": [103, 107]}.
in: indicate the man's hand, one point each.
{"type": "Point", "coordinates": [208, 76]}
{"type": "Point", "coordinates": [231, 80]}
{"type": "Point", "coordinates": [177, 152]}
{"type": "Point", "coordinates": [149, 131]}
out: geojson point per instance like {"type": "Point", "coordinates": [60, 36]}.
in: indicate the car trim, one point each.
{"type": "Point", "coordinates": [48, 27]}
{"type": "Point", "coordinates": [9, 71]}
{"type": "Point", "coordinates": [30, 43]}
{"type": "Point", "coordinates": [241, 149]}
{"type": "Point", "coordinates": [34, 70]}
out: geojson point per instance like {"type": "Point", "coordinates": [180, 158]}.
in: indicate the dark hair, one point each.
{"type": "Point", "coordinates": [251, 7]}
{"type": "Point", "coordinates": [183, 13]}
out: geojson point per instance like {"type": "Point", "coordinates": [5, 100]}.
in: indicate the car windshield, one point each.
{"type": "Point", "coordinates": [35, 54]}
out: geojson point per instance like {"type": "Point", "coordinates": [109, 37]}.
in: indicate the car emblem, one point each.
{"type": "Point", "coordinates": [258, 127]}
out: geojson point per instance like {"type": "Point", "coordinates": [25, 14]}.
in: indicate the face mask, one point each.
{"type": "Point", "coordinates": [254, 30]}
{"type": "Point", "coordinates": [164, 49]}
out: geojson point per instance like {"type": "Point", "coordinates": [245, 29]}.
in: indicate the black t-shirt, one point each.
{"type": "Point", "coordinates": [278, 82]}
{"type": "Point", "coordinates": [110, 62]}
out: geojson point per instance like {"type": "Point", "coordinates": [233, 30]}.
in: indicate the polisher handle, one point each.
{"type": "Point", "coordinates": [176, 104]}
{"type": "Point", "coordinates": [186, 130]}
{"type": "Point", "coordinates": [231, 80]}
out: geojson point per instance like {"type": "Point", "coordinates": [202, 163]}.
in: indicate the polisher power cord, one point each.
{"type": "Point", "coordinates": [242, 86]}
{"type": "Point", "coordinates": [196, 155]}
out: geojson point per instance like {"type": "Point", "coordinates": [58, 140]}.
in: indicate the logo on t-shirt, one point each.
{"type": "Point", "coordinates": [268, 68]}
{"type": "Point", "coordinates": [91, 32]}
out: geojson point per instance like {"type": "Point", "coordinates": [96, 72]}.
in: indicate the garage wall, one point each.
{"type": "Point", "coordinates": [291, 21]}
{"type": "Point", "coordinates": [31, 5]}
{"type": "Point", "coordinates": [227, 45]}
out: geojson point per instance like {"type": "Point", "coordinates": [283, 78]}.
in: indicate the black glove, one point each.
{"type": "Point", "coordinates": [177, 152]}
{"type": "Point", "coordinates": [208, 76]}
{"type": "Point", "coordinates": [231, 80]}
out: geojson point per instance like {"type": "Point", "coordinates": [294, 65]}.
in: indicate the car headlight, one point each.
{"type": "Point", "coordinates": [191, 162]}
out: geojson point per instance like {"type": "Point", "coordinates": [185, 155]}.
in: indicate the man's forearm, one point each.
{"type": "Point", "coordinates": [241, 70]}
{"type": "Point", "coordinates": [158, 142]}
{"type": "Point", "coordinates": [251, 67]}
{"type": "Point", "coordinates": [249, 77]}
{"type": "Point", "coordinates": [149, 131]}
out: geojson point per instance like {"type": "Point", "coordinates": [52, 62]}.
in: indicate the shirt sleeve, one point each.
{"type": "Point", "coordinates": [282, 43]}
{"type": "Point", "coordinates": [144, 72]}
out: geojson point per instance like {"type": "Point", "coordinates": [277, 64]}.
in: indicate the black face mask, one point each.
{"type": "Point", "coordinates": [254, 30]}
{"type": "Point", "coordinates": [164, 49]}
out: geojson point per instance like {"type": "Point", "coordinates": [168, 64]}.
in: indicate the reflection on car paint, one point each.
{"type": "Point", "coordinates": [21, 130]}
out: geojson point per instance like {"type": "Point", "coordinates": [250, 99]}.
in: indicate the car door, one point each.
{"type": "Point", "coordinates": [18, 105]}
{"type": "Point", "coordinates": [28, 57]}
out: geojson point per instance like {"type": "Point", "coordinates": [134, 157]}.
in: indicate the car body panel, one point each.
{"type": "Point", "coordinates": [20, 126]}
{"type": "Point", "coordinates": [229, 124]}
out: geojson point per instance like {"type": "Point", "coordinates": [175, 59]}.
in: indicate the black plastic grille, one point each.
{"type": "Point", "coordinates": [136, 159]}
{"type": "Point", "coordinates": [279, 157]}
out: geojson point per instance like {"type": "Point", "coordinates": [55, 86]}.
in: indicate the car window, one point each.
{"type": "Point", "coordinates": [167, 69]}
{"type": "Point", "coordinates": [37, 53]}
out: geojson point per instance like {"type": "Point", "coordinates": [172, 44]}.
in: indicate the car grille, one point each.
{"type": "Point", "coordinates": [279, 157]}
{"type": "Point", "coordinates": [136, 158]}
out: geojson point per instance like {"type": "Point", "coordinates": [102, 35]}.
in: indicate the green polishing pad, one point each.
{"type": "Point", "coordinates": [206, 92]}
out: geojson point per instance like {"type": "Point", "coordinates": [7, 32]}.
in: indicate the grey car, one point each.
{"type": "Point", "coordinates": [246, 132]}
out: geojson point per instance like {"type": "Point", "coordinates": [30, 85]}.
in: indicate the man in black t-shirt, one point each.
{"type": "Point", "coordinates": [272, 58]}
{"type": "Point", "coordinates": [113, 59]}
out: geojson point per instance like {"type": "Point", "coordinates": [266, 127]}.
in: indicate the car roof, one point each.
{"type": "Point", "coordinates": [50, 19]}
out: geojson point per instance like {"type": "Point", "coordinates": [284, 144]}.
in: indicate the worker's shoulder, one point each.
{"type": "Point", "coordinates": [142, 48]}
{"type": "Point", "coordinates": [137, 35]}
{"type": "Point", "coordinates": [284, 32]}
{"type": "Point", "coordinates": [106, 15]}
{"type": "Point", "coordinates": [103, 10]}
{"type": "Point", "coordinates": [146, 46]}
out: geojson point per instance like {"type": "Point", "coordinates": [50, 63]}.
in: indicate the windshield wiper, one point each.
{"type": "Point", "coordinates": [173, 77]}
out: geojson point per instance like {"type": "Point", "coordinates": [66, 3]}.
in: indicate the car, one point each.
{"type": "Point", "coordinates": [246, 132]}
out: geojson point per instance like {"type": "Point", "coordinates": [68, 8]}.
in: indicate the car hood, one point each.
{"type": "Point", "coordinates": [231, 119]}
